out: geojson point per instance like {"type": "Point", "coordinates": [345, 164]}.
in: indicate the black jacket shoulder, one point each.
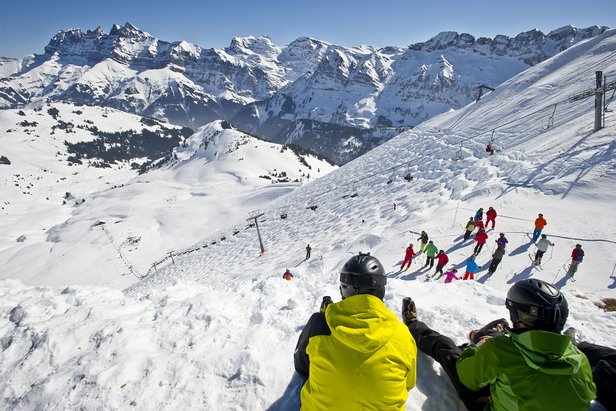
{"type": "Point", "coordinates": [316, 325]}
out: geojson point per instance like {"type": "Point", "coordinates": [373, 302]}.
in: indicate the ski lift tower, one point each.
{"type": "Point", "coordinates": [598, 92]}
{"type": "Point", "coordinates": [254, 215]}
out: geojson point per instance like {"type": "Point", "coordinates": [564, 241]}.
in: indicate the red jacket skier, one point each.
{"type": "Point", "coordinates": [481, 237]}
{"type": "Point", "coordinates": [577, 256]}
{"type": "Point", "coordinates": [442, 260]}
{"type": "Point", "coordinates": [479, 224]}
{"type": "Point", "coordinates": [408, 257]}
{"type": "Point", "coordinates": [491, 216]}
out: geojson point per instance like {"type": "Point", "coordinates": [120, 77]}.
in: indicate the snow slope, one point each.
{"type": "Point", "coordinates": [52, 209]}
{"type": "Point", "coordinates": [216, 328]}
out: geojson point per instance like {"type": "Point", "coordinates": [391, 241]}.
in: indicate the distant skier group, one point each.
{"type": "Point", "coordinates": [476, 222]}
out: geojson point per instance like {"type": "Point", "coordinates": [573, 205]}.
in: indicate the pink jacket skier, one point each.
{"type": "Point", "coordinates": [451, 275]}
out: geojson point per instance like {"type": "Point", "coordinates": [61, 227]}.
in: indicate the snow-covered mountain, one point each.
{"type": "Point", "coordinates": [215, 327]}
{"type": "Point", "coordinates": [63, 163]}
{"type": "Point", "coordinates": [302, 93]}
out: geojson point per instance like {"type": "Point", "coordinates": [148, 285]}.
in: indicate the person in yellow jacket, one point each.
{"type": "Point", "coordinates": [355, 354]}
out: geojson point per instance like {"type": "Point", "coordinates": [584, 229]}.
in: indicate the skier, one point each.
{"type": "Point", "coordinates": [490, 149]}
{"type": "Point", "coordinates": [470, 227]}
{"type": "Point", "coordinates": [355, 354]}
{"type": "Point", "coordinates": [479, 214]}
{"type": "Point", "coordinates": [287, 275]}
{"type": "Point", "coordinates": [471, 268]}
{"type": "Point", "coordinates": [524, 368]}
{"type": "Point", "coordinates": [424, 241]}
{"type": "Point", "coordinates": [481, 237]}
{"type": "Point", "coordinates": [491, 217]}
{"type": "Point", "coordinates": [502, 241]}
{"type": "Point", "coordinates": [308, 249]}
{"type": "Point", "coordinates": [394, 205]}
{"type": "Point", "coordinates": [442, 260]}
{"type": "Point", "coordinates": [408, 257]}
{"type": "Point", "coordinates": [542, 247]}
{"type": "Point", "coordinates": [497, 257]}
{"type": "Point", "coordinates": [479, 224]}
{"type": "Point", "coordinates": [540, 223]}
{"type": "Point", "coordinates": [451, 275]}
{"type": "Point", "coordinates": [577, 255]}
{"type": "Point", "coordinates": [431, 251]}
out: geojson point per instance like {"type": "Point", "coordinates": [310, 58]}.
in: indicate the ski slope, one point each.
{"type": "Point", "coordinates": [216, 328]}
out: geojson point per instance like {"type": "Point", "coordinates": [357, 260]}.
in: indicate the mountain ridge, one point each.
{"type": "Point", "coordinates": [266, 89]}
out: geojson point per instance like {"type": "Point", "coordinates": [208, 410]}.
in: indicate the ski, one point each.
{"type": "Point", "coordinates": [534, 262]}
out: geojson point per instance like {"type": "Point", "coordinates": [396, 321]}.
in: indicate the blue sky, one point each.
{"type": "Point", "coordinates": [27, 25]}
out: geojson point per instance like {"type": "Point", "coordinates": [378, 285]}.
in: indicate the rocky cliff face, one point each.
{"type": "Point", "coordinates": [339, 94]}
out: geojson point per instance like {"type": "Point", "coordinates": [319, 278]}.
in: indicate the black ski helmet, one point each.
{"type": "Point", "coordinates": [538, 305]}
{"type": "Point", "coordinates": [362, 274]}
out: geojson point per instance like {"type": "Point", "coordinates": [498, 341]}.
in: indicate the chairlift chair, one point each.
{"type": "Point", "coordinates": [353, 192]}
{"type": "Point", "coordinates": [312, 205]}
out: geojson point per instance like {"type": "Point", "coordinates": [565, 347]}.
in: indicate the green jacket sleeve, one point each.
{"type": "Point", "coordinates": [478, 366]}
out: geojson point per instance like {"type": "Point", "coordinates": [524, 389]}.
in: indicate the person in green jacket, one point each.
{"type": "Point", "coordinates": [528, 367]}
{"type": "Point", "coordinates": [355, 354]}
{"type": "Point", "coordinates": [431, 251]}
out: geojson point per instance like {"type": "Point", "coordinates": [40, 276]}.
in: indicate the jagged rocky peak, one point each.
{"type": "Point", "coordinates": [303, 47]}
{"type": "Point", "coordinates": [185, 49]}
{"type": "Point", "coordinates": [452, 39]}
{"type": "Point", "coordinates": [98, 31]}
{"type": "Point", "coordinates": [73, 41]}
{"type": "Point", "coordinates": [127, 31]}
{"type": "Point", "coordinates": [303, 53]}
{"type": "Point", "coordinates": [446, 39]}
{"type": "Point", "coordinates": [574, 32]}
{"type": "Point", "coordinates": [65, 37]}
{"type": "Point", "coordinates": [258, 45]}
{"type": "Point", "coordinates": [530, 36]}
{"type": "Point", "coordinates": [391, 50]}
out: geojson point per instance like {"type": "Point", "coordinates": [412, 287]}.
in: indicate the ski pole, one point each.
{"type": "Point", "coordinates": [551, 253]}
{"type": "Point", "coordinates": [561, 267]}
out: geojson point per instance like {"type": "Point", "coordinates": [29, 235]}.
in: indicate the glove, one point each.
{"type": "Point", "coordinates": [409, 311]}
{"type": "Point", "coordinates": [327, 300]}
{"type": "Point", "coordinates": [492, 329]}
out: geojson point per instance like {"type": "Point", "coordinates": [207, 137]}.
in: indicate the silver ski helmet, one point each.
{"type": "Point", "coordinates": [363, 274]}
{"type": "Point", "coordinates": [538, 305]}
